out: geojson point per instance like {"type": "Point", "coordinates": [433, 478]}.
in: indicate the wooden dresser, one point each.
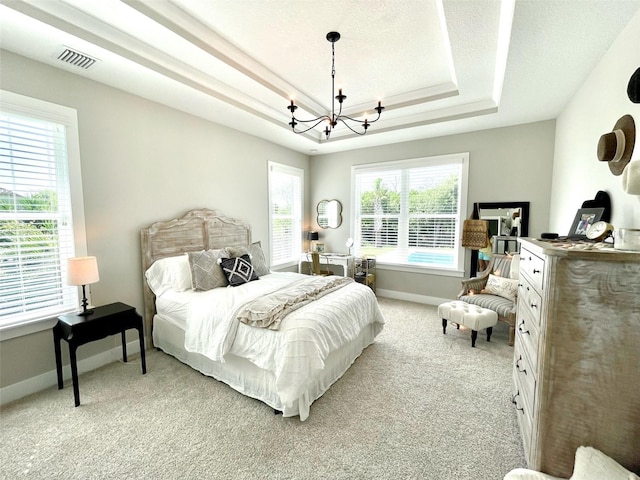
{"type": "Point", "coordinates": [577, 355]}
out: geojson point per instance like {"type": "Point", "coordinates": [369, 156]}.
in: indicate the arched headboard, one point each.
{"type": "Point", "coordinates": [200, 229]}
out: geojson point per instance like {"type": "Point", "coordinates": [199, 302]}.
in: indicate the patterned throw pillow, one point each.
{"type": "Point", "coordinates": [503, 287]}
{"type": "Point", "coordinates": [206, 274]}
{"type": "Point", "coordinates": [238, 270]}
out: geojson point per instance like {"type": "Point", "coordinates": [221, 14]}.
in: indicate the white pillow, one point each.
{"type": "Point", "coordinates": [503, 287]}
{"type": "Point", "coordinates": [514, 271]}
{"type": "Point", "coordinates": [592, 464]}
{"type": "Point", "coordinates": [171, 273]}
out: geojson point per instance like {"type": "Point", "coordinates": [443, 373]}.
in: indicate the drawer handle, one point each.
{"type": "Point", "coordinates": [513, 400]}
{"type": "Point", "coordinates": [523, 370]}
{"type": "Point", "coordinates": [521, 330]}
{"type": "Point", "coordinates": [533, 305]}
{"type": "Point", "coordinates": [536, 271]}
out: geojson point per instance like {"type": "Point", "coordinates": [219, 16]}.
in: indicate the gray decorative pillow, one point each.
{"type": "Point", "coordinates": [236, 251]}
{"type": "Point", "coordinates": [257, 259]}
{"type": "Point", "coordinates": [255, 253]}
{"type": "Point", "coordinates": [238, 270]}
{"type": "Point", "coordinates": [206, 274]}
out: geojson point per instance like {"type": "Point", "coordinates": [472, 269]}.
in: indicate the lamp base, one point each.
{"type": "Point", "coordinates": [85, 311]}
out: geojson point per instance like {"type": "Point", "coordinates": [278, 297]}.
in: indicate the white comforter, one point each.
{"type": "Point", "coordinates": [300, 346]}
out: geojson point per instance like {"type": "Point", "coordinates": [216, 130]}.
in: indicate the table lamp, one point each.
{"type": "Point", "coordinates": [83, 271]}
{"type": "Point", "coordinates": [313, 238]}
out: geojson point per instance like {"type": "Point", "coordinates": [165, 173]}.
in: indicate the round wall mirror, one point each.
{"type": "Point", "coordinates": [329, 213]}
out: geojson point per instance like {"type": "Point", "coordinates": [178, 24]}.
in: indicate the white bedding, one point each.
{"type": "Point", "coordinates": [294, 353]}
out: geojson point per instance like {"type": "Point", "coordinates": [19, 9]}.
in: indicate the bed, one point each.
{"type": "Point", "coordinates": [287, 364]}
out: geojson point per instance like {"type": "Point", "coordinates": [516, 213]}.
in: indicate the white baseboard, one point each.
{"type": "Point", "coordinates": [411, 297]}
{"type": "Point", "coordinates": [46, 380]}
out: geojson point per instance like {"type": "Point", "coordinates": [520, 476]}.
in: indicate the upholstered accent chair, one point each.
{"type": "Point", "coordinates": [502, 266]}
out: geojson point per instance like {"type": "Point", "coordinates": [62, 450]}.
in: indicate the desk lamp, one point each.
{"type": "Point", "coordinates": [83, 271]}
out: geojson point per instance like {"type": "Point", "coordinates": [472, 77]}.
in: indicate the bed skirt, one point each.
{"type": "Point", "coordinates": [252, 381]}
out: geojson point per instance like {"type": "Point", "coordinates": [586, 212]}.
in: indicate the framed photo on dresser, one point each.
{"type": "Point", "coordinates": [585, 217]}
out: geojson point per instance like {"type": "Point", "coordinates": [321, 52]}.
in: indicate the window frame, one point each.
{"type": "Point", "coordinates": [296, 235]}
{"type": "Point", "coordinates": [456, 158]}
{"type": "Point", "coordinates": [17, 104]}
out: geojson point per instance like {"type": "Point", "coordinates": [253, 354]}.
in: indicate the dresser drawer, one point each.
{"type": "Point", "coordinates": [527, 336]}
{"type": "Point", "coordinates": [524, 377]}
{"type": "Point", "coordinates": [529, 302]}
{"type": "Point", "coordinates": [523, 413]}
{"type": "Point", "coordinates": [533, 267]}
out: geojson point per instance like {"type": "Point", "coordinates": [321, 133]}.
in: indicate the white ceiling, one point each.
{"type": "Point", "coordinates": [438, 66]}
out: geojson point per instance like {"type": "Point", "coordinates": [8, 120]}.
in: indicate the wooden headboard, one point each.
{"type": "Point", "coordinates": [197, 230]}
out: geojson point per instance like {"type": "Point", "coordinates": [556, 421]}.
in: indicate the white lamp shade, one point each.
{"type": "Point", "coordinates": [82, 271]}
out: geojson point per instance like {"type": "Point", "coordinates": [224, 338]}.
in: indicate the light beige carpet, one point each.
{"type": "Point", "coordinates": [417, 404]}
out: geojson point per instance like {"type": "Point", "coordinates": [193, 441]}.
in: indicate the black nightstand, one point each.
{"type": "Point", "coordinates": [104, 321]}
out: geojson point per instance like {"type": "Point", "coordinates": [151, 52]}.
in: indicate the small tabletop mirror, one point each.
{"type": "Point", "coordinates": [329, 213]}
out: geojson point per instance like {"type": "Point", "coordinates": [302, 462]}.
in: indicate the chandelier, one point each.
{"type": "Point", "coordinates": [333, 118]}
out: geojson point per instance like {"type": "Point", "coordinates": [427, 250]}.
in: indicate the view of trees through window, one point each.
{"type": "Point", "coordinates": [410, 215]}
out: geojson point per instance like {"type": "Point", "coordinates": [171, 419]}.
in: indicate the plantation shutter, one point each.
{"type": "Point", "coordinates": [409, 212]}
{"type": "Point", "coordinates": [36, 231]}
{"type": "Point", "coordinates": [285, 212]}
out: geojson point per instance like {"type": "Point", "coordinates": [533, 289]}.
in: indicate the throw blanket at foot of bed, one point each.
{"type": "Point", "coordinates": [268, 311]}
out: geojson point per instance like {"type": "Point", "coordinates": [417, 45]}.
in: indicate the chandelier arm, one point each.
{"type": "Point", "coordinates": [349, 127]}
{"type": "Point", "coordinates": [311, 127]}
{"type": "Point", "coordinates": [317, 119]}
{"type": "Point", "coordinates": [358, 121]}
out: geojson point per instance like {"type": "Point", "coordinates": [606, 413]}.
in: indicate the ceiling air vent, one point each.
{"type": "Point", "coordinates": [73, 57]}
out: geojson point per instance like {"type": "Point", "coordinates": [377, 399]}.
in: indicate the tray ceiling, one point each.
{"type": "Point", "coordinates": [439, 67]}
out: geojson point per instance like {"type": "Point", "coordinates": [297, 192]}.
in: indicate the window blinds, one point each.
{"type": "Point", "coordinates": [36, 234]}
{"type": "Point", "coordinates": [408, 213]}
{"type": "Point", "coordinates": [285, 212]}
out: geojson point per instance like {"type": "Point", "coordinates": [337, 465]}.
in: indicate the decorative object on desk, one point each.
{"type": "Point", "coordinates": [633, 89]}
{"type": "Point", "coordinates": [332, 118]}
{"type": "Point", "coordinates": [585, 217]}
{"type": "Point", "coordinates": [313, 237]}
{"type": "Point", "coordinates": [627, 239]}
{"type": "Point", "coordinates": [83, 271]}
{"type": "Point", "coordinates": [599, 231]}
{"type": "Point", "coordinates": [475, 231]}
{"type": "Point", "coordinates": [349, 244]}
{"type": "Point", "coordinates": [329, 213]}
{"type": "Point", "coordinates": [616, 146]}
{"type": "Point", "coordinates": [319, 247]}
{"type": "Point", "coordinates": [603, 200]}
{"type": "Point", "coordinates": [631, 178]}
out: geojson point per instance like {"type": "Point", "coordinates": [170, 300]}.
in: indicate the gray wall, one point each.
{"type": "Point", "coordinates": [505, 165]}
{"type": "Point", "coordinates": [141, 162]}
{"type": "Point", "coordinates": [599, 103]}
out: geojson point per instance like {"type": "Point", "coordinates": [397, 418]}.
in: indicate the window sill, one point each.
{"type": "Point", "coordinates": [422, 270]}
{"type": "Point", "coordinates": [8, 332]}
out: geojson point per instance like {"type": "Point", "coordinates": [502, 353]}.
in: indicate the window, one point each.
{"type": "Point", "coordinates": [408, 213]}
{"type": "Point", "coordinates": [37, 140]}
{"type": "Point", "coordinates": [285, 213]}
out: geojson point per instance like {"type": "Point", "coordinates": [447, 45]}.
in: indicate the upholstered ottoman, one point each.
{"type": "Point", "coordinates": [471, 316]}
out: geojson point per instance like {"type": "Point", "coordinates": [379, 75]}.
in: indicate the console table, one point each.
{"type": "Point", "coordinates": [77, 330]}
{"type": "Point", "coordinates": [342, 261]}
